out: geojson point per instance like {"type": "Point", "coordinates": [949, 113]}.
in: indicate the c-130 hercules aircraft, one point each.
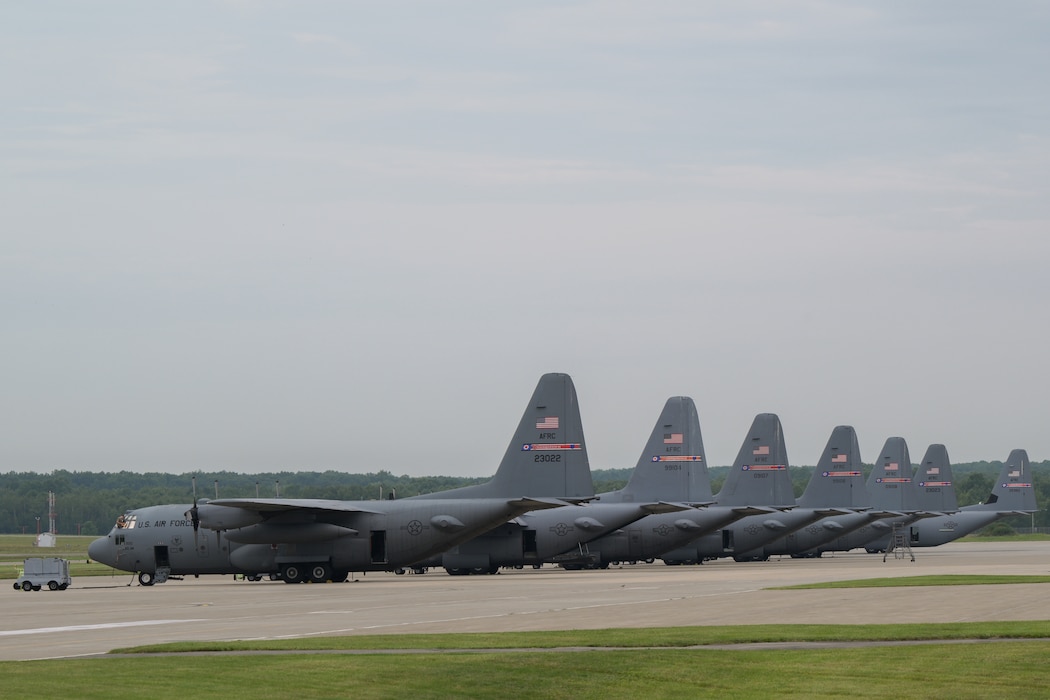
{"type": "Point", "coordinates": [319, 540]}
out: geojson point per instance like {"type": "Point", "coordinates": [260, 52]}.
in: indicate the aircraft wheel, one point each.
{"type": "Point", "coordinates": [319, 573]}
{"type": "Point", "coordinates": [340, 576]}
{"type": "Point", "coordinates": [146, 578]}
{"type": "Point", "coordinates": [52, 585]}
{"type": "Point", "coordinates": [453, 571]}
{"type": "Point", "coordinates": [649, 561]}
{"type": "Point", "coordinates": [27, 586]}
{"type": "Point", "coordinates": [291, 573]}
{"type": "Point", "coordinates": [480, 570]}
{"type": "Point", "coordinates": [537, 566]}
{"type": "Point", "coordinates": [419, 569]}
{"type": "Point", "coordinates": [399, 572]}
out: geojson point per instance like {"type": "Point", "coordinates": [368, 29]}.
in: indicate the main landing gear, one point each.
{"type": "Point", "coordinates": [312, 573]}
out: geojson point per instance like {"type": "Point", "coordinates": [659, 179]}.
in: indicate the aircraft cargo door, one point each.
{"type": "Point", "coordinates": [378, 546]}
{"type": "Point", "coordinates": [160, 556]}
{"type": "Point", "coordinates": [727, 540]}
{"type": "Point", "coordinates": [528, 543]}
{"type": "Point", "coordinates": [634, 543]}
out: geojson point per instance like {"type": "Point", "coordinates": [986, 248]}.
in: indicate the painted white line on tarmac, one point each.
{"type": "Point", "coordinates": [101, 626]}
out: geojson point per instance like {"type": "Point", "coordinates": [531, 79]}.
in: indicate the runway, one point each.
{"type": "Point", "coordinates": [97, 614]}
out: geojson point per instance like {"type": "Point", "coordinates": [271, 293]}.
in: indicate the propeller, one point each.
{"type": "Point", "coordinates": [194, 514]}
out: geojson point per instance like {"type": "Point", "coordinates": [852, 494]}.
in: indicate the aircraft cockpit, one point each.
{"type": "Point", "coordinates": [126, 521]}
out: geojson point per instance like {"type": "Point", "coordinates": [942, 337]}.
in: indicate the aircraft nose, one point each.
{"type": "Point", "coordinates": [101, 551]}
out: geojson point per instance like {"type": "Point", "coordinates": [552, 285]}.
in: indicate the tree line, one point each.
{"type": "Point", "coordinates": [88, 503]}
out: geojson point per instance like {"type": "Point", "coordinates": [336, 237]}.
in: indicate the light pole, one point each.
{"type": "Point", "coordinates": [38, 525]}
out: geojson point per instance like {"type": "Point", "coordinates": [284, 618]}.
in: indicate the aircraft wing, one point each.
{"type": "Point", "coordinates": [831, 512]}
{"type": "Point", "coordinates": [539, 503]}
{"type": "Point", "coordinates": [665, 507]}
{"type": "Point", "coordinates": [880, 514]}
{"type": "Point", "coordinates": [278, 505]}
{"type": "Point", "coordinates": [744, 511]}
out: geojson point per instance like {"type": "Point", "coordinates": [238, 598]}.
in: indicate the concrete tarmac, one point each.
{"type": "Point", "coordinates": [97, 614]}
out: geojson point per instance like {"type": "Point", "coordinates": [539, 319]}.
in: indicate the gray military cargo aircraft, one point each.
{"type": "Point", "coordinates": [560, 535]}
{"type": "Point", "coordinates": [671, 468]}
{"type": "Point", "coordinates": [890, 487]}
{"type": "Point", "coordinates": [759, 477]}
{"type": "Point", "coordinates": [1013, 494]}
{"type": "Point", "coordinates": [319, 540]}
{"type": "Point", "coordinates": [837, 481]}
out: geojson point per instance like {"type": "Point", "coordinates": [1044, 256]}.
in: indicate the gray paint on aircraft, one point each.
{"type": "Point", "coordinates": [346, 536]}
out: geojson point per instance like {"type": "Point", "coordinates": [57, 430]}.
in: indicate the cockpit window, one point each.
{"type": "Point", "coordinates": [126, 521]}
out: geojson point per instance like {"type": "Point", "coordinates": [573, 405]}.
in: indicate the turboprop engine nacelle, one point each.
{"type": "Point", "coordinates": [226, 517]}
{"type": "Point", "coordinates": [290, 533]}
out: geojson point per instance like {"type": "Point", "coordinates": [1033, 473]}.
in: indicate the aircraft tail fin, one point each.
{"type": "Point", "coordinates": [933, 481]}
{"type": "Point", "coordinates": [890, 482]}
{"type": "Point", "coordinates": [547, 457]}
{"type": "Point", "coordinates": [760, 475]}
{"type": "Point", "coordinates": [838, 480]}
{"type": "Point", "coordinates": [1015, 490]}
{"type": "Point", "coordinates": [673, 466]}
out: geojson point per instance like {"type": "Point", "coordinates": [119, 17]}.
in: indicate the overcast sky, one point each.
{"type": "Point", "coordinates": [260, 236]}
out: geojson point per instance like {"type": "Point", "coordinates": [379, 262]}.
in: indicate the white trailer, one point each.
{"type": "Point", "coordinates": [38, 572]}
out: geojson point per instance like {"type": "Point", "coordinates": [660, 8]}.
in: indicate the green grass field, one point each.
{"type": "Point", "coordinates": [936, 670]}
{"type": "Point", "coordinates": [15, 548]}
{"type": "Point", "coordinates": [653, 663]}
{"type": "Point", "coordinates": [627, 638]}
{"type": "Point", "coordinates": [933, 580]}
